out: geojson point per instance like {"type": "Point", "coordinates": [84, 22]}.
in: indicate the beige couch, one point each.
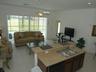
{"type": "Point", "coordinates": [21, 38]}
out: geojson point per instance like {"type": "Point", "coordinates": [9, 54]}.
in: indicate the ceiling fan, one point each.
{"type": "Point", "coordinates": [43, 12]}
{"type": "Point", "coordinates": [40, 11]}
{"type": "Point", "coordinates": [92, 3]}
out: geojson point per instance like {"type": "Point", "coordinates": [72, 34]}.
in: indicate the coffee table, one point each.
{"type": "Point", "coordinates": [31, 45]}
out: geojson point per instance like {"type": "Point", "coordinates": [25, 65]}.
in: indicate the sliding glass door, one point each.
{"type": "Point", "coordinates": [27, 23]}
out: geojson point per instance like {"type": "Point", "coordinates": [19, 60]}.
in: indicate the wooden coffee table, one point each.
{"type": "Point", "coordinates": [31, 45]}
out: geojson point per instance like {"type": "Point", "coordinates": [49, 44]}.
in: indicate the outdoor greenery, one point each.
{"type": "Point", "coordinates": [27, 23]}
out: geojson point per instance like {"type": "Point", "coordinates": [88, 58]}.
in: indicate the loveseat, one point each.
{"type": "Point", "coordinates": [21, 38]}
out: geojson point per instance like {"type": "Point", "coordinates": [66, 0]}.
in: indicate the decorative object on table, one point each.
{"type": "Point", "coordinates": [60, 37]}
{"type": "Point", "coordinates": [44, 47]}
{"type": "Point", "coordinates": [80, 43]}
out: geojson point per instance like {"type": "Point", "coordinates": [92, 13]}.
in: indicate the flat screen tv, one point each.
{"type": "Point", "coordinates": [69, 32]}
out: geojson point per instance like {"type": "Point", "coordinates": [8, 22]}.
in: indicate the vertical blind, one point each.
{"type": "Point", "coordinates": [27, 23]}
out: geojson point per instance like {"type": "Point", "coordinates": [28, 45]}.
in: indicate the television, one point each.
{"type": "Point", "coordinates": [69, 32]}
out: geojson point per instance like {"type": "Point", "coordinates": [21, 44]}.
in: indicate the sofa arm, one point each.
{"type": "Point", "coordinates": [16, 36]}
{"type": "Point", "coordinates": [6, 48]}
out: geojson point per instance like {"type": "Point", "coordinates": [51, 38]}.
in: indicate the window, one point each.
{"type": "Point", "coordinates": [27, 23]}
{"type": "Point", "coordinates": [38, 24]}
{"type": "Point", "coordinates": [59, 23]}
{"type": "Point", "coordinates": [13, 24]}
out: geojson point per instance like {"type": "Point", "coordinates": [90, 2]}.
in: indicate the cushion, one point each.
{"type": "Point", "coordinates": [25, 37]}
{"type": "Point", "coordinates": [4, 40]}
{"type": "Point", "coordinates": [21, 35]}
{"type": "Point", "coordinates": [38, 34]}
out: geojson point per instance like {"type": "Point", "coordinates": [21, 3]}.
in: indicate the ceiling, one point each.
{"type": "Point", "coordinates": [49, 4]}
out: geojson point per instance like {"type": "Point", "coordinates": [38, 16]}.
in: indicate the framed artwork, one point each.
{"type": "Point", "coordinates": [94, 30]}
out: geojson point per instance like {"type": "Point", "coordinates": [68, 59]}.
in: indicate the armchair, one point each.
{"type": "Point", "coordinates": [6, 51]}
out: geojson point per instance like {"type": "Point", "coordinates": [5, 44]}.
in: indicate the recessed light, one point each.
{"type": "Point", "coordinates": [89, 3]}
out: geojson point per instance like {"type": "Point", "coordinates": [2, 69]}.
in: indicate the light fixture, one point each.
{"type": "Point", "coordinates": [89, 3]}
{"type": "Point", "coordinates": [40, 14]}
{"type": "Point", "coordinates": [46, 12]}
{"type": "Point", "coordinates": [43, 12]}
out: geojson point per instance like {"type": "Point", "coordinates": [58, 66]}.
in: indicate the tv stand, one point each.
{"type": "Point", "coordinates": [70, 39]}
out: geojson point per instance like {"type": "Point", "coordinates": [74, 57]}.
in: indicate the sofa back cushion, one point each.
{"type": "Point", "coordinates": [18, 35]}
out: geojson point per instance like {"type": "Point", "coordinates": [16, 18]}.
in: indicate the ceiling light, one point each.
{"type": "Point", "coordinates": [89, 3]}
{"type": "Point", "coordinates": [46, 12]}
{"type": "Point", "coordinates": [40, 14]}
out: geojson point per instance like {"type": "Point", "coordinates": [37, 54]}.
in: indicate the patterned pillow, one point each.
{"type": "Point", "coordinates": [21, 35]}
{"type": "Point", "coordinates": [38, 34]}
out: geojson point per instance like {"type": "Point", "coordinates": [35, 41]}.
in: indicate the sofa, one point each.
{"type": "Point", "coordinates": [22, 38]}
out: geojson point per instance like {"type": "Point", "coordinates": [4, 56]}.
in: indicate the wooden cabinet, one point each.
{"type": "Point", "coordinates": [70, 65]}
{"type": "Point", "coordinates": [42, 66]}
{"type": "Point", "coordinates": [59, 67]}
{"type": "Point", "coordinates": [78, 62]}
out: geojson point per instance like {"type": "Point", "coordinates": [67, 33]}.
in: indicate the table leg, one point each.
{"type": "Point", "coordinates": [1, 66]}
{"type": "Point", "coordinates": [7, 63]}
{"type": "Point", "coordinates": [35, 59]}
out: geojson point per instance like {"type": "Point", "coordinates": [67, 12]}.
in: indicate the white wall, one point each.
{"type": "Point", "coordinates": [82, 20]}
{"type": "Point", "coordinates": [52, 26]}
{"type": "Point", "coordinates": [13, 10]}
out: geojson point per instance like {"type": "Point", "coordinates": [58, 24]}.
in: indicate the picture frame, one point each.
{"type": "Point", "coordinates": [94, 30]}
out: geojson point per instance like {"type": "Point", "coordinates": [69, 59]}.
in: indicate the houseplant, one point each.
{"type": "Point", "coordinates": [80, 43]}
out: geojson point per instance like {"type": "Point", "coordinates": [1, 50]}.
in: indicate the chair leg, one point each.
{"type": "Point", "coordinates": [7, 63]}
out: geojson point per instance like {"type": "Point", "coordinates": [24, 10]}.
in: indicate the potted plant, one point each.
{"type": "Point", "coordinates": [80, 43]}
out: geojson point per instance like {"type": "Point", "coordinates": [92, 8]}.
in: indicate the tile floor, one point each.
{"type": "Point", "coordinates": [89, 63]}
{"type": "Point", "coordinates": [23, 62]}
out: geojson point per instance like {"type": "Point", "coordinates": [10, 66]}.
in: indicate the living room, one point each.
{"type": "Point", "coordinates": [81, 19]}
